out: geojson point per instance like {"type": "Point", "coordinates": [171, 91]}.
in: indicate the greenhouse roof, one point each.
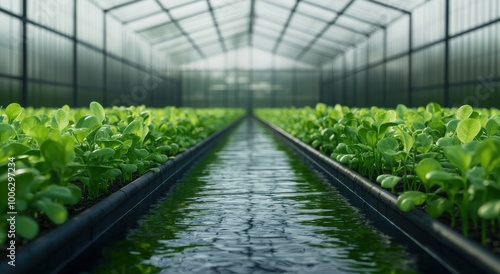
{"type": "Point", "coordinates": [309, 31]}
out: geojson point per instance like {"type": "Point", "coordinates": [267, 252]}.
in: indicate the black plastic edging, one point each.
{"type": "Point", "coordinates": [450, 250]}
{"type": "Point", "coordinates": [50, 253]}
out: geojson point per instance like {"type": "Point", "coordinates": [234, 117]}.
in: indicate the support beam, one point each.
{"type": "Point", "coordinates": [447, 54]}
{"type": "Point", "coordinates": [75, 53]}
{"type": "Point", "coordinates": [292, 12]}
{"type": "Point", "coordinates": [193, 44]}
{"type": "Point", "coordinates": [322, 32]}
{"type": "Point", "coordinates": [105, 60]}
{"type": "Point", "coordinates": [251, 22]}
{"type": "Point", "coordinates": [24, 55]}
{"type": "Point", "coordinates": [388, 6]}
{"type": "Point", "coordinates": [223, 46]}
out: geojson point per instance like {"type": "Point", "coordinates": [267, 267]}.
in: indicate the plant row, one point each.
{"type": "Point", "coordinates": [49, 157]}
{"type": "Point", "coordinates": [445, 160]}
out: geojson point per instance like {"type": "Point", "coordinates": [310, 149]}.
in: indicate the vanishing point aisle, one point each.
{"type": "Point", "coordinates": [251, 206]}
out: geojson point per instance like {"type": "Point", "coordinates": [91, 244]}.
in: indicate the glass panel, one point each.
{"type": "Point", "coordinates": [311, 23]}
{"type": "Point", "coordinates": [263, 42]}
{"type": "Point", "coordinates": [276, 13]}
{"type": "Point", "coordinates": [195, 22]}
{"type": "Point", "coordinates": [166, 31]}
{"type": "Point", "coordinates": [182, 40]}
{"type": "Point", "coordinates": [355, 24]}
{"type": "Point", "coordinates": [295, 40]}
{"type": "Point", "coordinates": [54, 14]}
{"type": "Point", "coordinates": [286, 3]}
{"type": "Point", "coordinates": [318, 12]}
{"type": "Point", "coordinates": [338, 33]}
{"type": "Point", "coordinates": [10, 45]}
{"type": "Point", "coordinates": [305, 36]}
{"type": "Point", "coordinates": [266, 31]}
{"type": "Point", "coordinates": [289, 50]}
{"type": "Point", "coordinates": [136, 10]}
{"type": "Point", "coordinates": [190, 9]}
{"type": "Point", "coordinates": [428, 23]}
{"type": "Point", "coordinates": [203, 34]}
{"type": "Point", "coordinates": [335, 5]}
{"type": "Point", "coordinates": [170, 4]}
{"type": "Point", "coordinates": [107, 4]}
{"type": "Point", "coordinates": [261, 23]}
{"type": "Point", "coordinates": [50, 56]}
{"type": "Point", "coordinates": [90, 72]}
{"type": "Point", "coordinates": [372, 12]}
{"type": "Point", "coordinates": [330, 44]}
{"type": "Point", "coordinates": [14, 6]}
{"type": "Point", "coordinates": [90, 23]}
{"type": "Point", "coordinates": [114, 30]}
{"type": "Point", "coordinates": [149, 21]}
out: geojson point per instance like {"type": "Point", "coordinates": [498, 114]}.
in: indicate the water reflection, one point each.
{"type": "Point", "coordinates": [252, 207]}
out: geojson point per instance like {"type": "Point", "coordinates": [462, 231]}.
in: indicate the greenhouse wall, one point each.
{"type": "Point", "coordinates": [71, 52]}
{"type": "Point", "coordinates": [444, 51]}
{"type": "Point", "coordinates": [250, 88]}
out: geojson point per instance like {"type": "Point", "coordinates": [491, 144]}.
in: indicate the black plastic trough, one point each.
{"type": "Point", "coordinates": [54, 251]}
{"type": "Point", "coordinates": [440, 249]}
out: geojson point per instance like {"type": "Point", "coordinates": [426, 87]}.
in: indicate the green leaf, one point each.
{"type": "Point", "coordinates": [424, 142]}
{"type": "Point", "coordinates": [6, 133]}
{"type": "Point", "coordinates": [128, 168]}
{"type": "Point", "coordinates": [488, 152]}
{"type": "Point", "coordinates": [29, 123]}
{"type": "Point", "coordinates": [13, 111]}
{"type": "Point", "coordinates": [441, 176]}
{"type": "Point", "coordinates": [53, 152]}
{"type": "Point", "coordinates": [437, 207]}
{"type": "Point", "coordinates": [112, 173]}
{"type": "Point", "coordinates": [388, 181]}
{"type": "Point", "coordinates": [26, 227]}
{"type": "Point", "coordinates": [133, 128]}
{"type": "Point", "coordinates": [56, 212]}
{"type": "Point", "coordinates": [468, 129]}
{"type": "Point", "coordinates": [409, 199]}
{"type": "Point", "coordinates": [491, 127]}
{"type": "Point", "coordinates": [60, 120]}
{"type": "Point", "coordinates": [387, 144]}
{"type": "Point", "coordinates": [98, 111]}
{"type": "Point", "coordinates": [433, 107]}
{"type": "Point", "coordinates": [88, 121]}
{"type": "Point", "coordinates": [56, 192]}
{"type": "Point", "coordinates": [425, 166]}
{"type": "Point", "coordinates": [464, 112]}
{"type": "Point", "coordinates": [458, 157]}
{"type": "Point", "coordinates": [102, 153]}
{"type": "Point", "coordinates": [447, 142]}
{"type": "Point", "coordinates": [40, 133]}
{"type": "Point", "coordinates": [490, 210]}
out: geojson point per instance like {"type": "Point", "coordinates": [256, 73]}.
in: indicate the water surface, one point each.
{"type": "Point", "coordinates": [253, 207]}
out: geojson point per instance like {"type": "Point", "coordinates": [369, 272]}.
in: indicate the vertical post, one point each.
{"type": "Point", "coordinates": [410, 60]}
{"type": "Point", "coordinates": [446, 53]}
{"type": "Point", "coordinates": [344, 76]}
{"type": "Point", "coordinates": [354, 73]}
{"type": "Point", "coordinates": [75, 54]}
{"type": "Point", "coordinates": [273, 83]}
{"type": "Point", "coordinates": [294, 90]}
{"type": "Point", "coordinates": [384, 78]}
{"type": "Point", "coordinates": [24, 55]}
{"type": "Point", "coordinates": [206, 73]}
{"type": "Point", "coordinates": [250, 82]}
{"type": "Point", "coordinates": [367, 78]}
{"type": "Point", "coordinates": [104, 61]}
{"type": "Point", "coordinates": [225, 74]}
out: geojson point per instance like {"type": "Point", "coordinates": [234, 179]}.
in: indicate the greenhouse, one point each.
{"type": "Point", "coordinates": [249, 136]}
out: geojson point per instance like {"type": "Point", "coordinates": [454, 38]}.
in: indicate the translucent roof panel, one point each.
{"type": "Point", "coordinates": [138, 9]}
{"type": "Point", "coordinates": [189, 9]}
{"type": "Point", "coordinates": [335, 5]}
{"type": "Point", "coordinates": [316, 11]}
{"type": "Point", "coordinates": [149, 21]}
{"type": "Point", "coordinates": [311, 30]}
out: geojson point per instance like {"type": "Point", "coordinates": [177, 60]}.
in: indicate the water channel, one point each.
{"type": "Point", "coordinates": [252, 206]}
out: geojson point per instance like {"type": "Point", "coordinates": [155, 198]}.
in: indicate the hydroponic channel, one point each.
{"type": "Point", "coordinates": [251, 206]}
